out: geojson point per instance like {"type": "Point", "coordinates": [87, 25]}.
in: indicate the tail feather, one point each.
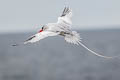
{"type": "Point", "coordinates": [97, 54]}
{"type": "Point", "coordinates": [75, 39]}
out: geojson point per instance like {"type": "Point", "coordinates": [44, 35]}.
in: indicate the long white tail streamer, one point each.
{"type": "Point", "coordinates": [95, 52]}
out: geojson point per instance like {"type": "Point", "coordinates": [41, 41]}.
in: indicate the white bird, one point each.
{"type": "Point", "coordinates": [61, 27]}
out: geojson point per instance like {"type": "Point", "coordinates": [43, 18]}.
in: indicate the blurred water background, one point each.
{"type": "Point", "coordinates": [54, 59]}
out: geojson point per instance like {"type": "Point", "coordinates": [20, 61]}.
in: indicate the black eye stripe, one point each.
{"type": "Point", "coordinates": [42, 28]}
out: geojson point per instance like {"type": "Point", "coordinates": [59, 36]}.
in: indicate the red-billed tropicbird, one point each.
{"type": "Point", "coordinates": [61, 27]}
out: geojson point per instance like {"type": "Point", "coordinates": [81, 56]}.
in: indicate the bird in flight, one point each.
{"type": "Point", "coordinates": [63, 28]}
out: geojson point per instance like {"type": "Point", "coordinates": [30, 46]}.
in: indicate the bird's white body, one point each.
{"type": "Point", "coordinates": [61, 27]}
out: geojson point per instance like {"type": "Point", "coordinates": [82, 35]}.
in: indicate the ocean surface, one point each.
{"type": "Point", "coordinates": [54, 59]}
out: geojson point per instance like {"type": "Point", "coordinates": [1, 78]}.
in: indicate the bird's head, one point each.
{"type": "Point", "coordinates": [43, 28]}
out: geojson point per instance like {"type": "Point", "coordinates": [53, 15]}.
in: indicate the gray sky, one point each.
{"type": "Point", "coordinates": [22, 15]}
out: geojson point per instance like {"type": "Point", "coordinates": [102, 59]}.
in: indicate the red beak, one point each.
{"type": "Point", "coordinates": [41, 30]}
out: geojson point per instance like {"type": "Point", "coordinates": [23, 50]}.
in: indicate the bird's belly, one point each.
{"type": "Point", "coordinates": [62, 33]}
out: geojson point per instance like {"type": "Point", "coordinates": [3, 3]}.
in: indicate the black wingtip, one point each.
{"type": "Point", "coordinates": [65, 11]}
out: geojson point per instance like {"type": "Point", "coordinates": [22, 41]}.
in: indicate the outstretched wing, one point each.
{"type": "Point", "coordinates": [37, 37]}
{"type": "Point", "coordinates": [65, 19]}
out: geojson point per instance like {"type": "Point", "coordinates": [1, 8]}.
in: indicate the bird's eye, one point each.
{"type": "Point", "coordinates": [42, 27]}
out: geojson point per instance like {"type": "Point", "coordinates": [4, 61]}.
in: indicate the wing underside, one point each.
{"type": "Point", "coordinates": [37, 37]}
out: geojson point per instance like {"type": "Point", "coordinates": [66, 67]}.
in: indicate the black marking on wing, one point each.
{"type": "Point", "coordinates": [31, 38]}
{"type": "Point", "coordinates": [65, 11]}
